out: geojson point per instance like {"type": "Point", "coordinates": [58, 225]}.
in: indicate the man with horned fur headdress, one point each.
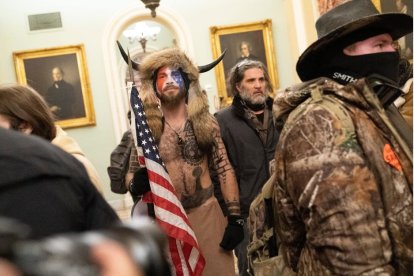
{"type": "Point", "coordinates": [189, 140]}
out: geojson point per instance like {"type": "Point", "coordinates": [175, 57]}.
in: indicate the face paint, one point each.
{"type": "Point", "coordinates": [168, 78]}
{"type": "Point", "coordinates": [170, 86]}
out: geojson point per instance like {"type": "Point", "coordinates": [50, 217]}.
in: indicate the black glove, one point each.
{"type": "Point", "coordinates": [234, 233]}
{"type": "Point", "coordinates": [139, 184]}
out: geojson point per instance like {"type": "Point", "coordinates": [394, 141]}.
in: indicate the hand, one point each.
{"type": "Point", "coordinates": [234, 232]}
{"type": "Point", "coordinates": [9, 269]}
{"type": "Point", "coordinates": [139, 184]}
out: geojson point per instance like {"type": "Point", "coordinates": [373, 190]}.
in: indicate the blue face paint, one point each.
{"type": "Point", "coordinates": [167, 77]}
{"type": "Point", "coordinates": [178, 78]}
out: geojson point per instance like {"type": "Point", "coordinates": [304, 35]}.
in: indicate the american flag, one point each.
{"type": "Point", "coordinates": [170, 215]}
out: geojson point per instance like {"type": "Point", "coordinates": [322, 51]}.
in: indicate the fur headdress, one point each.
{"type": "Point", "coordinates": [198, 108]}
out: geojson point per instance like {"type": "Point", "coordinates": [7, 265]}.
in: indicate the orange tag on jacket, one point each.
{"type": "Point", "coordinates": [391, 158]}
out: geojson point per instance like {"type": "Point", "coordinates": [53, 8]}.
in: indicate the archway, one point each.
{"type": "Point", "coordinates": [114, 64]}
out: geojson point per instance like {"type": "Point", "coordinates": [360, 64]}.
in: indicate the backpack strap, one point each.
{"type": "Point", "coordinates": [119, 164]}
{"type": "Point", "coordinates": [267, 189]}
{"type": "Point", "coordinates": [329, 102]}
{"type": "Point", "coordinates": [259, 243]}
{"type": "Point", "coordinates": [270, 236]}
{"type": "Point", "coordinates": [332, 104]}
{"type": "Point", "coordinates": [267, 239]}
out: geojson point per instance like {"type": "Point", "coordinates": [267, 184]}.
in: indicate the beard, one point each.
{"type": "Point", "coordinates": [254, 99]}
{"type": "Point", "coordinates": [171, 100]}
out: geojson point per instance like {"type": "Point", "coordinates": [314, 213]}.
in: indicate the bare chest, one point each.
{"type": "Point", "coordinates": [186, 165]}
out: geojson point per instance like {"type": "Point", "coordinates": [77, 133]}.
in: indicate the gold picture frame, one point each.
{"type": "Point", "coordinates": [325, 5]}
{"type": "Point", "coordinates": [34, 68]}
{"type": "Point", "coordinates": [377, 4]}
{"type": "Point", "coordinates": [258, 35]}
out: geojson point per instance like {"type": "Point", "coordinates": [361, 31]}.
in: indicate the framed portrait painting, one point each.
{"type": "Point", "coordinates": [60, 75]}
{"type": "Point", "coordinates": [244, 41]}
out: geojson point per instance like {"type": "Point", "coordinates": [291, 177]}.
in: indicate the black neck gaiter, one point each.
{"type": "Point", "coordinates": [345, 69]}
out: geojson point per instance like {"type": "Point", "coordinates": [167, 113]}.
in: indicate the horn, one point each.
{"type": "Point", "coordinates": [208, 67]}
{"type": "Point", "coordinates": [125, 57]}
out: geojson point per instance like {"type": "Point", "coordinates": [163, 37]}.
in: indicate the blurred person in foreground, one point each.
{"type": "Point", "coordinates": [343, 186]}
{"type": "Point", "coordinates": [136, 248]}
{"type": "Point", "coordinates": [24, 110]}
{"type": "Point", "coordinates": [48, 189]}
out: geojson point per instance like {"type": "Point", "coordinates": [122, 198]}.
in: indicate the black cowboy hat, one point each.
{"type": "Point", "coordinates": [342, 23]}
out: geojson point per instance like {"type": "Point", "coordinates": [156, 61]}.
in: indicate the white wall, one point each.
{"type": "Point", "coordinates": [85, 21]}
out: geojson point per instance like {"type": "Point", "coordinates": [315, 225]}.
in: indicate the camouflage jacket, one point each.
{"type": "Point", "coordinates": [343, 186]}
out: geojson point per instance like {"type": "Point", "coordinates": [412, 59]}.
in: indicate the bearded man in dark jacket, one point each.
{"type": "Point", "coordinates": [250, 137]}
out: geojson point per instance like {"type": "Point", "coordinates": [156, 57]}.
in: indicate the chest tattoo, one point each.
{"type": "Point", "coordinates": [199, 196]}
{"type": "Point", "coordinates": [189, 148]}
{"type": "Point", "coordinates": [186, 164]}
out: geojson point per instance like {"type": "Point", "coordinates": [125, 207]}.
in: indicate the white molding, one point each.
{"type": "Point", "coordinates": [114, 66]}
{"type": "Point", "coordinates": [120, 204]}
{"type": "Point", "coordinates": [123, 207]}
{"type": "Point", "coordinates": [315, 9]}
{"type": "Point", "coordinates": [300, 25]}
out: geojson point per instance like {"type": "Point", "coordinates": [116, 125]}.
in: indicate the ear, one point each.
{"type": "Point", "coordinates": [238, 85]}
{"type": "Point", "coordinates": [26, 128]}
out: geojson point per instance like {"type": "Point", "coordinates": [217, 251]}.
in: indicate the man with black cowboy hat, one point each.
{"type": "Point", "coordinates": [343, 185]}
{"type": "Point", "coordinates": [188, 138]}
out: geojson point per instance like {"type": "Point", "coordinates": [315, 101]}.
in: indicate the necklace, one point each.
{"type": "Point", "coordinates": [180, 140]}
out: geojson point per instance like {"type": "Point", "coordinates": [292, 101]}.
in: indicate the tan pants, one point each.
{"type": "Point", "coordinates": [208, 223]}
